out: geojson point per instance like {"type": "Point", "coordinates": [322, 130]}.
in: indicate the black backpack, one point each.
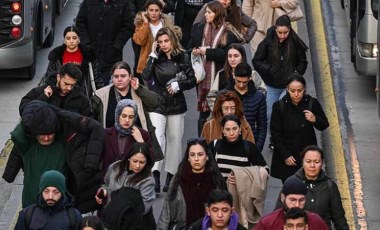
{"type": "Point", "coordinates": [29, 211]}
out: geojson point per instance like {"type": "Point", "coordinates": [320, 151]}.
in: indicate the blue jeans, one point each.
{"type": "Point", "coordinates": [273, 95]}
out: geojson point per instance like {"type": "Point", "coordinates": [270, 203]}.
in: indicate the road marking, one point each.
{"type": "Point", "coordinates": [332, 114]}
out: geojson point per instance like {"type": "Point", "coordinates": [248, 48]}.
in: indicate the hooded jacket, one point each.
{"type": "Point", "coordinates": [324, 199]}
{"type": "Point", "coordinates": [55, 62]}
{"type": "Point", "coordinates": [75, 101]}
{"type": "Point", "coordinates": [46, 218]}
{"type": "Point", "coordinates": [205, 223]}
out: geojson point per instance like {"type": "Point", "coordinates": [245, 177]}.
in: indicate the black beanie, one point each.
{"type": "Point", "coordinates": [293, 185]}
{"type": "Point", "coordinates": [38, 118]}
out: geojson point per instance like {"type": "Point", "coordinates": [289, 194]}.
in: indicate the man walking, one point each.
{"type": "Point", "coordinates": [105, 25]}
{"type": "Point", "coordinates": [54, 207]}
{"type": "Point", "coordinates": [293, 196]}
{"type": "Point", "coordinates": [61, 90]}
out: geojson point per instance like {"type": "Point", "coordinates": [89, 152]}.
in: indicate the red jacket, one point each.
{"type": "Point", "coordinates": [276, 220]}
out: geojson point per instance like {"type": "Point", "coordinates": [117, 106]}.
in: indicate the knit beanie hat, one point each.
{"type": "Point", "coordinates": [53, 178]}
{"type": "Point", "coordinates": [38, 118]}
{"type": "Point", "coordinates": [119, 108]}
{"type": "Point", "coordinates": [293, 185]}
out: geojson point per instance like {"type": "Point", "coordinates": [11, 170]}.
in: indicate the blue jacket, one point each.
{"type": "Point", "coordinates": [255, 111]}
{"type": "Point", "coordinates": [50, 218]}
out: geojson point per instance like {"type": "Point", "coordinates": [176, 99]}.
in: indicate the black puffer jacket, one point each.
{"type": "Point", "coordinates": [163, 70]}
{"type": "Point", "coordinates": [55, 63]}
{"type": "Point", "coordinates": [83, 138]}
{"type": "Point", "coordinates": [255, 111]}
{"type": "Point", "coordinates": [275, 61]}
{"type": "Point", "coordinates": [291, 132]}
{"type": "Point", "coordinates": [105, 27]}
{"type": "Point", "coordinates": [75, 101]}
{"type": "Point", "coordinates": [323, 198]}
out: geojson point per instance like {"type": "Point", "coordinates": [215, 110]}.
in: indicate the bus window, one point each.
{"type": "Point", "coordinates": [375, 6]}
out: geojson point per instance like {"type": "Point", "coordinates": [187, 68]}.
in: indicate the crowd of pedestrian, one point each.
{"type": "Point", "coordinates": [95, 134]}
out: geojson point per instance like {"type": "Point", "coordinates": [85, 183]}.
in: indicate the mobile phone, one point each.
{"type": "Point", "coordinates": [100, 194]}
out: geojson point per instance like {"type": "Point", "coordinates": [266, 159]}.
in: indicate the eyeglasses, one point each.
{"type": "Point", "coordinates": [228, 108]}
{"type": "Point", "coordinates": [192, 141]}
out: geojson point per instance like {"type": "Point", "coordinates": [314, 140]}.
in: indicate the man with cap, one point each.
{"type": "Point", "coordinates": [51, 138]}
{"type": "Point", "coordinates": [54, 207]}
{"type": "Point", "coordinates": [293, 196]}
{"type": "Point", "coordinates": [60, 89]}
{"type": "Point", "coordinates": [253, 100]}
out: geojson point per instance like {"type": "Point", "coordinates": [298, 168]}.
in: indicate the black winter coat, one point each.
{"type": "Point", "coordinates": [275, 61]}
{"type": "Point", "coordinates": [106, 27]}
{"type": "Point", "coordinates": [83, 138]}
{"type": "Point", "coordinates": [218, 54]}
{"type": "Point", "coordinates": [75, 101]}
{"type": "Point", "coordinates": [46, 217]}
{"type": "Point", "coordinates": [291, 132]}
{"type": "Point", "coordinates": [55, 63]}
{"type": "Point", "coordinates": [324, 201]}
{"type": "Point", "coordinates": [163, 70]}
{"type": "Point", "coordinates": [255, 111]}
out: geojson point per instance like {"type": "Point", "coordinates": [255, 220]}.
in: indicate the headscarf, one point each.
{"type": "Point", "coordinates": [119, 108]}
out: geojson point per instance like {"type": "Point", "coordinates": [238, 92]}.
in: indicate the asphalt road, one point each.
{"type": "Point", "coordinates": [355, 98]}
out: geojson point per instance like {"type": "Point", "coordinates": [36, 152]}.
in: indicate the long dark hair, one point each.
{"type": "Point", "coordinates": [211, 167]}
{"type": "Point", "coordinates": [220, 13]}
{"type": "Point", "coordinates": [137, 147]}
{"type": "Point", "coordinates": [234, 15]}
{"type": "Point", "coordinates": [293, 41]}
{"type": "Point", "coordinates": [227, 68]}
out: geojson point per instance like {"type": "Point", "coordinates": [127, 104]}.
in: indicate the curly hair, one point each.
{"type": "Point", "coordinates": [227, 95]}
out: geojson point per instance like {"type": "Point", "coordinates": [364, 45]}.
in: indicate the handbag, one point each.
{"type": "Point", "coordinates": [199, 70]}
{"type": "Point", "coordinates": [294, 15]}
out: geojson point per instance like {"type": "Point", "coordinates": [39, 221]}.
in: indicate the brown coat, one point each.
{"type": "Point", "coordinates": [144, 38]}
{"type": "Point", "coordinates": [212, 130]}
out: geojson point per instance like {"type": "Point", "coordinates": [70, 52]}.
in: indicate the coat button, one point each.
{"type": "Point", "coordinates": [312, 200]}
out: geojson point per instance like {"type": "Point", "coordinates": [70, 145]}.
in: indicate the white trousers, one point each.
{"type": "Point", "coordinates": [169, 133]}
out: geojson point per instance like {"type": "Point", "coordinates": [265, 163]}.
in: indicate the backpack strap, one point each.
{"type": "Point", "coordinates": [72, 217]}
{"type": "Point", "coordinates": [29, 211]}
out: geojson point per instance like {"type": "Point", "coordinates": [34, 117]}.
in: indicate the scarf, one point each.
{"type": "Point", "coordinates": [195, 188]}
{"type": "Point", "coordinates": [119, 108]}
{"type": "Point", "coordinates": [211, 38]}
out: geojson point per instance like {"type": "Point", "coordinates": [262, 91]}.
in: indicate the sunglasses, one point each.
{"type": "Point", "coordinates": [196, 140]}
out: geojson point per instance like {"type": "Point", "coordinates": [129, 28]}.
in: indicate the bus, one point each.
{"type": "Point", "coordinates": [26, 25]}
{"type": "Point", "coordinates": [362, 16]}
